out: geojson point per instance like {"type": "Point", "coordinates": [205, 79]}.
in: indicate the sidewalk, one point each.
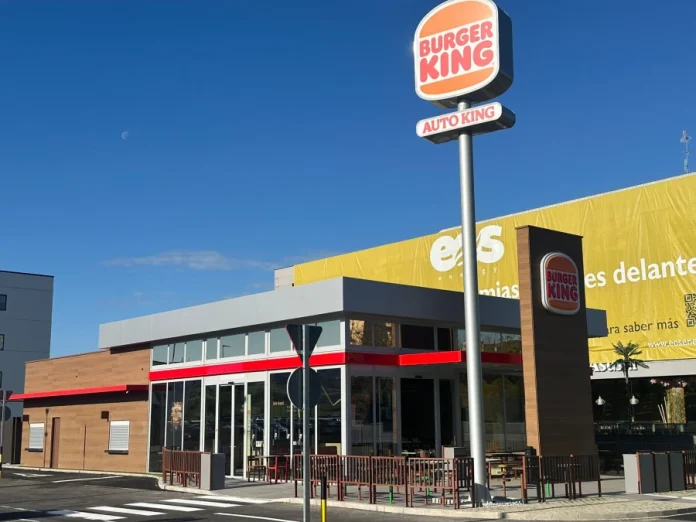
{"type": "Point", "coordinates": [614, 505]}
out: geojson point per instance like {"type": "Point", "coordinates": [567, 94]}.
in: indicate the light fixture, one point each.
{"type": "Point", "coordinates": [633, 401]}
{"type": "Point", "coordinates": [600, 401]}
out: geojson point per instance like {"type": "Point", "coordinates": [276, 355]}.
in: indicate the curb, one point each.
{"type": "Point", "coordinates": [434, 511]}
{"type": "Point", "coordinates": [195, 491]}
{"type": "Point", "coordinates": [18, 467]}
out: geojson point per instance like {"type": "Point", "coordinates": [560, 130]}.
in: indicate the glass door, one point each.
{"type": "Point", "coordinates": [225, 426]}
{"type": "Point", "coordinates": [238, 431]}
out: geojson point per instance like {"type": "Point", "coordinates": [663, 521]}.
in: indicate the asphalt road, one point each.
{"type": "Point", "coordinates": [43, 496]}
{"type": "Point", "coordinates": [28, 496]}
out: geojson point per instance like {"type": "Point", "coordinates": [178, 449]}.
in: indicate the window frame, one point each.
{"type": "Point", "coordinates": [2, 342]}
{"type": "Point", "coordinates": [3, 302]}
{"type": "Point", "coordinates": [43, 436]}
{"type": "Point", "coordinates": [118, 451]}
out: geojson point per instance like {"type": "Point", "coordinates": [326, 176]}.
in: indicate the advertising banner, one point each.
{"type": "Point", "coordinates": [640, 263]}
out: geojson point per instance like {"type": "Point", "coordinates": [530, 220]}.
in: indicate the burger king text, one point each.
{"type": "Point", "coordinates": [457, 51]}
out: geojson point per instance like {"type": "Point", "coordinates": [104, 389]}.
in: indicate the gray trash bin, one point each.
{"type": "Point", "coordinates": [639, 473]}
{"type": "Point", "coordinates": [661, 472]}
{"type": "Point", "coordinates": [212, 471]}
{"type": "Point", "coordinates": [676, 468]}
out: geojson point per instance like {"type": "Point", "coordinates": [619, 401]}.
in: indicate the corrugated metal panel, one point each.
{"type": "Point", "coordinates": [119, 432]}
{"type": "Point", "coordinates": [36, 435]}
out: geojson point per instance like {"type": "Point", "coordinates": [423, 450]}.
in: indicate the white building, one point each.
{"type": "Point", "coordinates": [26, 309]}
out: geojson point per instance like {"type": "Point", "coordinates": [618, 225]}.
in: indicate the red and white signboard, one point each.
{"type": "Point", "coordinates": [478, 120]}
{"type": "Point", "coordinates": [560, 284]}
{"type": "Point", "coordinates": [463, 49]}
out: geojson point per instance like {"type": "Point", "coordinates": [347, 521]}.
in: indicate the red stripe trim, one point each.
{"type": "Point", "coordinates": [331, 359]}
{"type": "Point", "coordinates": [119, 388]}
{"type": "Point", "coordinates": [281, 363]}
{"type": "Point", "coordinates": [419, 359]}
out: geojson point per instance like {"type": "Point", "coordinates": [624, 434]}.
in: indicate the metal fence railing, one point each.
{"type": "Point", "coordinates": [544, 473]}
{"type": "Point", "coordinates": [182, 467]}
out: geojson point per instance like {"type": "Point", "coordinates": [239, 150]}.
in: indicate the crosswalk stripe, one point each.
{"type": "Point", "coordinates": [126, 511]}
{"type": "Point", "coordinates": [241, 500]}
{"type": "Point", "coordinates": [199, 502]}
{"type": "Point", "coordinates": [87, 516]}
{"type": "Point", "coordinates": [220, 499]}
{"type": "Point", "coordinates": [152, 505]}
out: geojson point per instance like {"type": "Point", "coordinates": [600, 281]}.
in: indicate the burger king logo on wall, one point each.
{"type": "Point", "coordinates": [463, 50]}
{"type": "Point", "coordinates": [560, 284]}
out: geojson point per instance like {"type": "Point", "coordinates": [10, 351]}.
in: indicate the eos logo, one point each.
{"type": "Point", "coordinates": [446, 252]}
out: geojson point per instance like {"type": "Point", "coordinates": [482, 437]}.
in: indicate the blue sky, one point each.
{"type": "Point", "coordinates": [261, 134]}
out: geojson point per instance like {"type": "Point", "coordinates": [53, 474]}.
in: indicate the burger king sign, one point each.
{"type": "Point", "coordinates": [463, 50]}
{"type": "Point", "coordinates": [560, 284]}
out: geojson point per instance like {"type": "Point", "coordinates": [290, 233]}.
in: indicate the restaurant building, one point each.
{"type": "Point", "coordinates": [213, 378]}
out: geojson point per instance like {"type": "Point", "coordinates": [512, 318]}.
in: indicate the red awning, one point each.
{"type": "Point", "coordinates": [118, 388]}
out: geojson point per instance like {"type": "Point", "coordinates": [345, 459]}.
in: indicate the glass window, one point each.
{"type": "Point", "coordinates": [159, 355]}
{"type": "Point", "coordinates": [255, 410]}
{"type": "Point", "coordinates": [464, 403]}
{"type": "Point", "coordinates": [225, 426]}
{"type": "Point", "coordinates": [329, 413]}
{"type": "Point", "coordinates": [232, 345]}
{"type": "Point", "coordinates": [444, 339]}
{"type": "Point", "coordinates": [192, 415]}
{"type": "Point", "coordinates": [257, 343]}
{"type": "Point", "coordinates": [385, 334]}
{"type": "Point", "coordinates": [280, 340]}
{"type": "Point", "coordinates": [418, 417]}
{"type": "Point", "coordinates": [331, 334]}
{"type": "Point", "coordinates": [119, 433]}
{"type": "Point", "coordinates": [493, 414]}
{"type": "Point", "coordinates": [446, 413]}
{"type": "Point", "coordinates": [194, 350]}
{"type": "Point", "coordinates": [514, 413]}
{"type": "Point", "coordinates": [417, 337]}
{"type": "Point", "coordinates": [280, 415]}
{"type": "Point", "coordinates": [175, 394]}
{"type": "Point", "coordinates": [3, 302]}
{"type": "Point", "coordinates": [461, 339]}
{"type": "Point", "coordinates": [360, 333]}
{"type": "Point", "coordinates": [210, 402]}
{"type": "Point", "coordinates": [158, 420]}
{"type": "Point", "coordinates": [361, 425]}
{"type": "Point", "coordinates": [211, 349]}
{"type": "Point", "coordinates": [2, 342]}
{"type": "Point", "coordinates": [511, 343]}
{"type": "Point", "coordinates": [176, 353]}
{"type": "Point", "coordinates": [386, 416]}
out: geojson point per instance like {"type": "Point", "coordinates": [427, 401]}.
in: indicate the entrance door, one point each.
{"type": "Point", "coordinates": [238, 430]}
{"type": "Point", "coordinates": [418, 416]}
{"type": "Point", "coordinates": [55, 441]}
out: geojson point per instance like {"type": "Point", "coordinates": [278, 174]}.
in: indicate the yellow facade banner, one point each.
{"type": "Point", "coordinates": [639, 253]}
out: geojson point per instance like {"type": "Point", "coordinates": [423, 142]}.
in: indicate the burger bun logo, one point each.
{"type": "Point", "coordinates": [560, 284]}
{"type": "Point", "coordinates": [463, 49]}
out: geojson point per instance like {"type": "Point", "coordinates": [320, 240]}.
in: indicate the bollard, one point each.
{"type": "Point", "coordinates": [391, 494]}
{"type": "Point", "coordinates": [324, 487]}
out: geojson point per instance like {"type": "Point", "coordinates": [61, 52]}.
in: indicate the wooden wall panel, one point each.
{"type": "Point", "coordinates": [84, 435]}
{"type": "Point", "coordinates": [89, 370]}
{"type": "Point", "coordinates": [555, 355]}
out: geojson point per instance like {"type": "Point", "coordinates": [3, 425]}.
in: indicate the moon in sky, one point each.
{"type": "Point", "coordinates": [124, 135]}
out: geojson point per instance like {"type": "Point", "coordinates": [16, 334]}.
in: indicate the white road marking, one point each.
{"type": "Point", "coordinates": [235, 499]}
{"type": "Point", "coordinates": [81, 479]}
{"type": "Point", "coordinates": [257, 518]}
{"type": "Point", "coordinates": [199, 502]}
{"type": "Point", "coordinates": [28, 520]}
{"type": "Point", "coordinates": [126, 511]}
{"type": "Point", "coordinates": [31, 475]}
{"type": "Point", "coordinates": [153, 505]}
{"type": "Point", "coordinates": [86, 516]}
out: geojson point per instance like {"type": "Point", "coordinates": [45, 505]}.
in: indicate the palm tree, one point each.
{"type": "Point", "coordinates": [627, 358]}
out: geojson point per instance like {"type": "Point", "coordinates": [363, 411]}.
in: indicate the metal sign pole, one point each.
{"type": "Point", "coordinates": [306, 349]}
{"type": "Point", "coordinates": [471, 313]}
